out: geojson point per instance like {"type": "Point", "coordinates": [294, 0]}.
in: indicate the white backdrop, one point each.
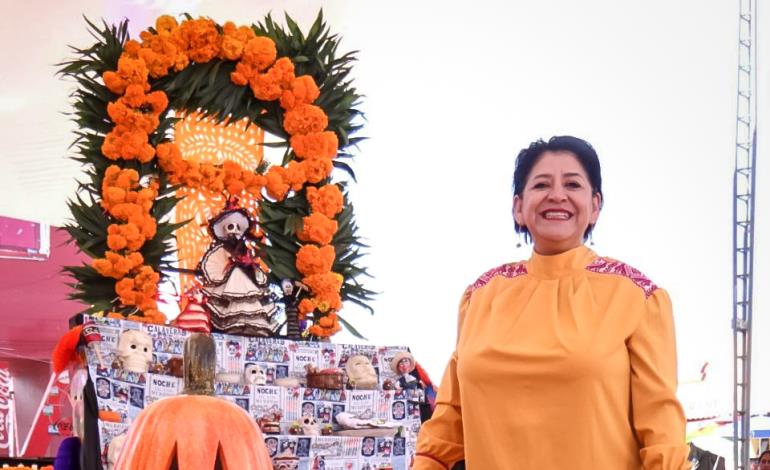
{"type": "Point", "coordinates": [453, 91]}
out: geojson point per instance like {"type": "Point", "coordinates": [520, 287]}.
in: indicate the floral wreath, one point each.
{"type": "Point", "coordinates": [292, 86]}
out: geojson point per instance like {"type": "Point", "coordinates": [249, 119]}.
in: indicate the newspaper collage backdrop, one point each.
{"type": "Point", "coordinates": [121, 395]}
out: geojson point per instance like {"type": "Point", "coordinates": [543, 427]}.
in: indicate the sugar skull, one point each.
{"type": "Point", "coordinates": [135, 351]}
{"type": "Point", "coordinates": [255, 375]}
{"type": "Point", "coordinates": [309, 426]}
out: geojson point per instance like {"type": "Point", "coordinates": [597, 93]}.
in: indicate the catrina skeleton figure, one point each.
{"type": "Point", "coordinates": [236, 288]}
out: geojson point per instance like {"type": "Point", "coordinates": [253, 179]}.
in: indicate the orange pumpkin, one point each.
{"type": "Point", "coordinates": [195, 431]}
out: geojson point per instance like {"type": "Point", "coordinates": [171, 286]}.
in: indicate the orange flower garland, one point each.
{"type": "Point", "coordinates": [136, 116]}
{"type": "Point", "coordinates": [327, 200]}
{"type": "Point", "coordinates": [317, 228]}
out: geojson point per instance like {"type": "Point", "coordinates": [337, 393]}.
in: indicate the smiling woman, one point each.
{"type": "Point", "coordinates": [568, 359]}
{"type": "Point", "coordinates": [563, 186]}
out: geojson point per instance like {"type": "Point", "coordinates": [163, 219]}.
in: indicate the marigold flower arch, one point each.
{"type": "Point", "coordinates": [250, 74]}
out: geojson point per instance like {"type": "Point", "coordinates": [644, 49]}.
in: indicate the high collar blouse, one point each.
{"type": "Point", "coordinates": [564, 361]}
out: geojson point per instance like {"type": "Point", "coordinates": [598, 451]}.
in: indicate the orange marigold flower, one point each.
{"type": "Point", "coordinates": [212, 177]}
{"type": "Point", "coordinates": [327, 326]}
{"type": "Point", "coordinates": [126, 211]}
{"type": "Point", "coordinates": [327, 200]}
{"type": "Point", "coordinates": [295, 175]}
{"type": "Point", "coordinates": [171, 161]}
{"type": "Point", "coordinates": [120, 236]}
{"type": "Point", "coordinates": [153, 315]}
{"type": "Point", "coordinates": [130, 71]}
{"type": "Point", "coordinates": [136, 111]}
{"type": "Point", "coordinates": [323, 283]}
{"type": "Point", "coordinates": [243, 74]}
{"type": "Point", "coordinates": [314, 260]}
{"type": "Point", "coordinates": [304, 119]}
{"type": "Point", "coordinates": [199, 39]}
{"type": "Point", "coordinates": [255, 184]}
{"type": "Point", "coordinates": [315, 145]}
{"type": "Point", "coordinates": [115, 265]}
{"type": "Point", "coordinates": [234, 39]}
{"type": "Point", "coordinates": [233, 177]}
{"type": "Point", "coordinates": [260, 52]}
{"type": "Point", "coordinates": [317, 228]}
{"type": "Point", "coordinates": [114, 82]}
{"type": "Point", "coordinates": [112, 196]}
{"type": "Point", "coordinates": [318, 169]}
{"type": "Point", "coordinates": [265, 87]}
{"type": "Point", "coordinates": [139, 290]}
{"type": "Point", "coordinates": [123, 142]}
{"type": "Point", "coordinates": [181, 61]}
{"type": "Point", "coordinates": [158, 101]}
{"type": "Point", "coordinates": [157, 64]}
{"type": "Point", "coordinates": [131, 49]}
{"type": "Point", "coordinates": [116, 242]}
{"type": "Point", "coordinates": [117, 185]}
{"type": "Point", "coordinates": [283, 72]}
{"type": "Point", "coordinates": [125, 290]}
{"type": "Point", "coordinates": [303, 90]}
{"type": "Point", "coordinates": [165, 24]}
{"type": "Point", "coordinates": [235, 187]}
{"type": "Point", "coordinates": [330, 300]}
{"type": "Point", "coordinates": [305, 307]}
{"type": "Point", "coordinates": [276, 185]}
{"type": "Point", "coordinates": [135, 97]}
{"type": "Point", "coordinates": [126, 179]}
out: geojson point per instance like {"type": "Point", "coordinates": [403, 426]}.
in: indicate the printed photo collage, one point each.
{"type": "Point", "coordinates": [122, 394]}
{"type": "Point", "coordinates": [343, 453]}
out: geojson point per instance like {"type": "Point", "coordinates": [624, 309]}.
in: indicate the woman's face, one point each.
{"type": "Point", "coordinates": [557, 203]}
{"type": "Point", "coordinates": [764, 462]}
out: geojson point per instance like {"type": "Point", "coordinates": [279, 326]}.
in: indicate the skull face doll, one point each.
{"type": "Point", "coordinates": [236, 288]}
{"type": "Point", "coordinates": [134, 351]}
{"type": "Point", "coordinates": [254, 375]}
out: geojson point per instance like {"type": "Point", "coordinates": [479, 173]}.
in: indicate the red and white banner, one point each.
{"type": "Point", "coordinates": [6, 411]}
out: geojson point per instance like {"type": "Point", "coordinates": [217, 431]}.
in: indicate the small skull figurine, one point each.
{"type": "Point", "coordinates": [309, 426]}
{"type": "Point", "coordinates": [135, 351]}
{"type": "Point", "coordinates": [254, 375]}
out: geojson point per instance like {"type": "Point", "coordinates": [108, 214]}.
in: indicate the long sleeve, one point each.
{"type": "Point", "coordinates": [441, 443]}
{"type": "Point", "coordinates": [658, 418]}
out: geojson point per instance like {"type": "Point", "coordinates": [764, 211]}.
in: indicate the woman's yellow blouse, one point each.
{"type": "Point", "coordinates": [562, 362]}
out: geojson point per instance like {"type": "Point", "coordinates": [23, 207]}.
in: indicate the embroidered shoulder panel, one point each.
{"type": "Point", "coordinates": [509, 270]}
{"type": "Point", "coordinates": [612, 266]}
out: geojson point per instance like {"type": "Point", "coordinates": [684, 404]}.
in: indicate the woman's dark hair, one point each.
{"type": "Point", "coordinates": [584, 152]}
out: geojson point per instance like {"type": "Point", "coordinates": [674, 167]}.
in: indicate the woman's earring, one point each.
{"type": "Point", "coordinates": [591, 239]}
